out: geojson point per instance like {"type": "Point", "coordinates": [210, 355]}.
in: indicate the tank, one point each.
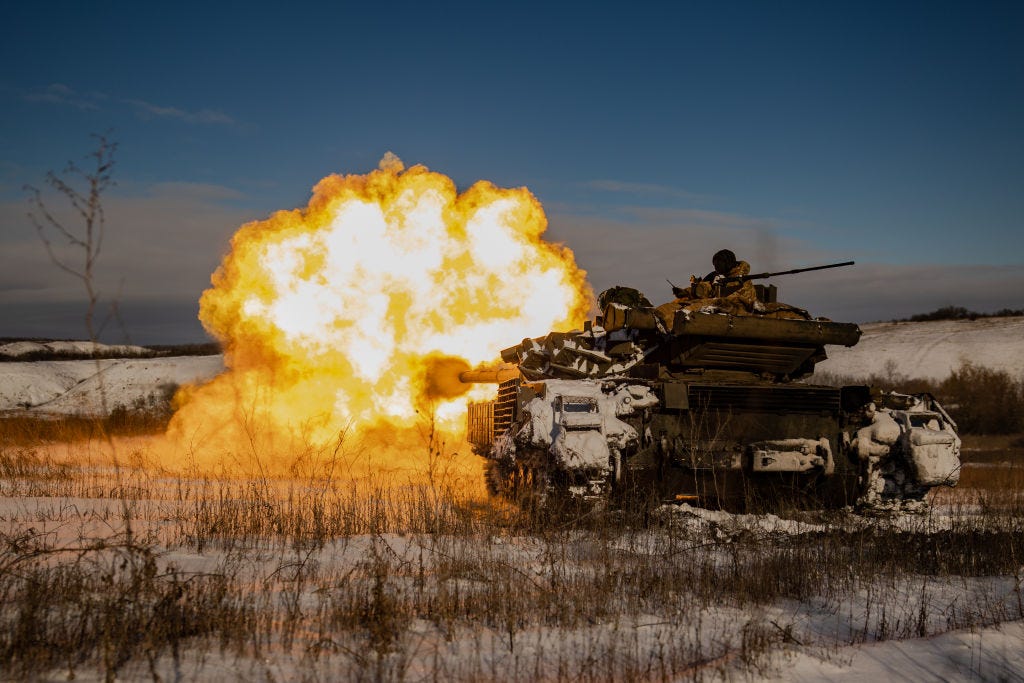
{"type": "Point", "coordinates": [704, 401]}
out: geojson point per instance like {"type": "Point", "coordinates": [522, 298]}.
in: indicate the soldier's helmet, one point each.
{"type": "Point", "coordinates": [724, 261]}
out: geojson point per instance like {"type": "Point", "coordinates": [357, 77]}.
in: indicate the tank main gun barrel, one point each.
{"type": "Point", "coordinates": [493, 375]}
{"type": "Point", "coordinates": [765, 276]}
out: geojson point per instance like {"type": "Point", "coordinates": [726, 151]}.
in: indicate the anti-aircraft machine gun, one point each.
{"type": "Point", "coordinates": [701, 400]}
{"type": "Point", "coordinates": [724, 285]}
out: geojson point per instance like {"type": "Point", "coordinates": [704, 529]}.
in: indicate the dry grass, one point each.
{"type": "Point", "coordinates": [136, 573]}
{"type": "Point", "coordinates": [145, 416]}
{"type": "Point", "coordinates": [1002, 449]}
{"type": "Point", "coordinates": [29, 431]}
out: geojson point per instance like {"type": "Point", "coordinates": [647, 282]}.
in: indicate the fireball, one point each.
{"type": "Point", "coordinates": [356, 313]}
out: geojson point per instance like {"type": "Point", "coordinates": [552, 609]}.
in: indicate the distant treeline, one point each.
{"type": "Point", "coordinates": [152, 351]}
{"type": "Point", "coordinates": [204, 349]}
{"type": "Point", "coordinates": [960, 313]}
{"type": "Point", "coordinates": [980, 399]}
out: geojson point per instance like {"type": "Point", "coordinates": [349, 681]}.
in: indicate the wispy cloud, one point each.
{"type": "Point", "coordinates": [66, 96]}
{"type": "Point", "coordinates": [194, 192]}
{"type": "Point", "coordinates": [58, 93]}
{"type": "Point", "coordinates": [202, 116]}
{"type": "Point", "coordinates": [697, 217]}
{"type": "Point", "coordinates": [648, 189]}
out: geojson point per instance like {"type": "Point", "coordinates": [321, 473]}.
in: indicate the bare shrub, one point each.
{"type": "Point", "coordinates": [981, 400]}
{"type": "Point", "coordinates": [86, 239]}
{"type": "Point", "coordinates": [984, 401]}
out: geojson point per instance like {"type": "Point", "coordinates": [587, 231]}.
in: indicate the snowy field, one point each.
{"type": "Point", "coordinates": [146, 576]}
{"type": "Point", "coordinates": [119, 562]}
{"type": "Point", "coordinates": [84, 387]}
{"type": "Point", "coordinates": [928, 350]}
{"type": "Point", "coordinates": [931, 350]}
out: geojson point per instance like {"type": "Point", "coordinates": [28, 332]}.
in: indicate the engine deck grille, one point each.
{"type": "Point", "coordinates": [786, 399]}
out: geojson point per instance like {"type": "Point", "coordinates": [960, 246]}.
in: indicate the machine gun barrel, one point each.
{"type": "Point", "coordinates": [765, 276]}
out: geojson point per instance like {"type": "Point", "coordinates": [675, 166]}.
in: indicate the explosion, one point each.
{"type": "Point", "coordinates": [355, 314]}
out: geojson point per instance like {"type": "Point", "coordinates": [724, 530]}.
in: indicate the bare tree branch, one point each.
{"type": "Point", "coordinates": [87, 238]}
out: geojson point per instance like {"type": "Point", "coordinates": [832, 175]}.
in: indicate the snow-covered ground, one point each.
{"type": "Point", "coordinates": [492, 602]}
{"type": "Point", "coordinates": [931, 350]}
{"type": "Point", "coordinates": [994, 653]}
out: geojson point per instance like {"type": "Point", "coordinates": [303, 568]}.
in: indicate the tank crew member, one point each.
{"type": "Point", "coordinates": [726, 265]}
{"type": "Point", "coordinates": [718, 291]}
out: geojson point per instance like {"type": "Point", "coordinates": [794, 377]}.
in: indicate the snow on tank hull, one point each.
{"type": "Point", "coordinates": [710, 412]}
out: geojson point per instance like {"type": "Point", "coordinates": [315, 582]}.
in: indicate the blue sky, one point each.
{"type": "Point", "coordinates": [654, 134]}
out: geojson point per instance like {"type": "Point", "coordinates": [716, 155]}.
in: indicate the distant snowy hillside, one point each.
{"type": "Point", "coordinates": [924, 349]}
{"type": "Point", "coordinates": [931, 349]}
{"type": "Point", "coordinates": [73, 386]}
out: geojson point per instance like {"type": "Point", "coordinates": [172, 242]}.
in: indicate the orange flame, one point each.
{"type": "Point", "coordinates": [357, 312]}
